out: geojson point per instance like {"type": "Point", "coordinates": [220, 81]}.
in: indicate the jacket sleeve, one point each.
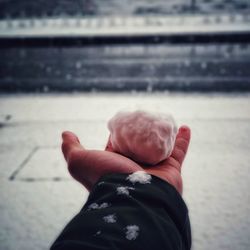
{"type": "Point", "coordinates": [123, 212]}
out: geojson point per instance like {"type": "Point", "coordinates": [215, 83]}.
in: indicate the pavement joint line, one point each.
{"type": "Point", "coordinates": [48, 147]}
{"type": "Point", "coordinates": [22, 165]}
{"type": "Point", "coordinates": [201, 119]}
{"type": "Point", "coordinates": [43, 179]}
{"type": "Point", "coordinates": [21, 123]}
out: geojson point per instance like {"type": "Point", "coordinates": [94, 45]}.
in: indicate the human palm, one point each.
{"type": "Point", "coordinates": [87, 166]}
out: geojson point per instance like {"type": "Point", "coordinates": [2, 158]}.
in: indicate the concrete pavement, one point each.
{"type": "Point", "coordinates": [38, 197]}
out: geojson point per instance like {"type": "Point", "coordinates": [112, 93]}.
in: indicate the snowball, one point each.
{"type": "Point", "coordinates": [124, 190]}
{"type": "Point", "coordinates": [110, 218]}
{"type": "Point", "coordinates": [140, 176]}
{"type": "Point", "coordinates": [93, 206]}
{"type": "Point", "coordinates": [142, 136]}
{"type": "Point", "coordinates": [132, 232]}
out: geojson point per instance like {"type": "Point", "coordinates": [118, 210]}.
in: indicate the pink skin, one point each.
{"type": "Point", "coordinates": [87, 166]}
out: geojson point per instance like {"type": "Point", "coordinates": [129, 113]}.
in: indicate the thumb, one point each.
{"type": "Point", "coordinates": [181, 144]}
{"type": "Point", "coordinates": [70, 142]}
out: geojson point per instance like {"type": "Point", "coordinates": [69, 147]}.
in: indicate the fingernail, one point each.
{"type": "Point", "coordinates": [63, 134]}
{"type": "Point", "coordinates": [69, 135]}
{"type": "Point", "coordinates": [184, 129]}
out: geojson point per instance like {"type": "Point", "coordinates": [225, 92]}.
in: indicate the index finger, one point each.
{"type": "Point", "coordinates": [69, 143]}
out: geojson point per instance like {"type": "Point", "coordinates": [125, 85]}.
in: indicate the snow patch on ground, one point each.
{"type": "Point", "coordinates": [140, 176]}
{"type": "Point", "coordinates": [132, 232]}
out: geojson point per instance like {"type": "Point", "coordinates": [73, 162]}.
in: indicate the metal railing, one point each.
{"type": "Point", "coordinates": [114, 29]}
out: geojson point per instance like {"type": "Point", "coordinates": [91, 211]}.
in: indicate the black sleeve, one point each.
{"type": "Point", "coordinates": [129, 215]}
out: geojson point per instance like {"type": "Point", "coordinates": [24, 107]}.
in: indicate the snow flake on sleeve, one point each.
{"type": "Point", "coordinates": [140, 176]}
{"type": "Point", "coordinates": [94, 206]}
{"type": "Point", "coordinates": [132, 232]}
{"type": "Point", "coordinates": [111, 218]}
{"type": "Point", "coordinates": [98, 233]}
{"type": "Point", "coordinates": [124, 190]}
{"type": "Point", "coordinates": [103, 205]}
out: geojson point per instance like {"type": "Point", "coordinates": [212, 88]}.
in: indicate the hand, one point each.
{"type": "Point", "coordinates": [87, 166]}
{"type": "Point", "coordinates": [170, 169]}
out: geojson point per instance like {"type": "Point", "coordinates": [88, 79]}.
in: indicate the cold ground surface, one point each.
{"type": "Point", "coordinates": [38, 197]}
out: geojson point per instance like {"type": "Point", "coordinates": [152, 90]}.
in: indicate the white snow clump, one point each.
{"type": "Point", "coordinates": [110, 218]}
{"type": "Point", "coordinates": [140, 176]}
{"type": "Point", "coordinates": [93, 206]}
{"type": "Point", "coordinates": [132, 232]}
{"type": "Point", "coordinates": [124, 190]}
{"type": "Point", "coordinates": [142, 136]}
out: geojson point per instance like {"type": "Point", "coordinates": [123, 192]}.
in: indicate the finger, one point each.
{"type": "Point", "coordinates": [181, 144]}
{"type": "Point", "coordinates": [109, 146]}
{"type": "Point", "coordinates": [70, 142]}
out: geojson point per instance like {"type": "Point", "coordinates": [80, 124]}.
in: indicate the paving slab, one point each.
{"type": "Point", "coordinates": [38, 197]}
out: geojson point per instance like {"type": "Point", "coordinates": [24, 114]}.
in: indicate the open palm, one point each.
{"type": "Point", "coordinates": [87, 166]}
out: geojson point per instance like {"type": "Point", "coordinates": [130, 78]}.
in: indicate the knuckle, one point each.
{"type": "Point", "coordinates": [182, 144]}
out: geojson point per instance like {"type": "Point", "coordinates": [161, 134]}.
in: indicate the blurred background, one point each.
{"type": "Point", "coordinates": [190, 45]}
{"type": "Point", "coordinates": [71, 65]}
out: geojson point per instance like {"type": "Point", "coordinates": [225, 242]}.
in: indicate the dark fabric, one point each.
{"type": "Point", "coordinates": [152, 216]}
